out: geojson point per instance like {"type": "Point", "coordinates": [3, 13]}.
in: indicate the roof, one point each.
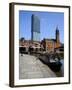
{"type": "Point", "coordinates": [50, 39]}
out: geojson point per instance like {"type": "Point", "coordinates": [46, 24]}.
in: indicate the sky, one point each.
{"type": "Point", "coordinates": [48, 23]}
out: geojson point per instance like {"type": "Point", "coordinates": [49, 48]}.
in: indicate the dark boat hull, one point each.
{"type": "Point", "coordinates": [55, 66]}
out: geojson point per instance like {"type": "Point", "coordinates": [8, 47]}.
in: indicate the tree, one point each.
{"type": "Point", "coordinates": [22, 39]}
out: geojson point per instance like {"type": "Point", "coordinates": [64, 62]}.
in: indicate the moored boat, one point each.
{"type": "Point", "coordinates": [53, 63]}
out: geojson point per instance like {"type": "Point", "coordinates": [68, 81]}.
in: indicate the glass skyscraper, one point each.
{"type": "Point", "coordinates": [35, 29]}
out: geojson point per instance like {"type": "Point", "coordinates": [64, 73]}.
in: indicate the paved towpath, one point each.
{"type": "Point", "coordinates": [31, 67]}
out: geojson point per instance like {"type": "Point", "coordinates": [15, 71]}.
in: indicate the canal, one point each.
{"type": "Point", "coordinates": [61, 72]}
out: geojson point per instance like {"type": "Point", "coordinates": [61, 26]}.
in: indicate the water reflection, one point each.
{"type": "Point", "coordinates": [54, 61]}
{"type": "Point", "coordinates": [61, 72]}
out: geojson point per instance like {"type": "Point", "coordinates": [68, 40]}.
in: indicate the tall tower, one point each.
{"type": "Point", "coordinates": [35, 28]}
{"type": "Point", "coordinates": [57, 35]}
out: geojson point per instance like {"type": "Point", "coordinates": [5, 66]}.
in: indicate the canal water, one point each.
{"type": "Point", "coordinates": [61, 72]}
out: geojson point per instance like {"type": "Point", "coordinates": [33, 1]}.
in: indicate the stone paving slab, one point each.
{"type": "Point", "coordinates": [30, 67]}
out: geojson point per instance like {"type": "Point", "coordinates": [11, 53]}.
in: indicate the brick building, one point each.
{"type": "Point", "coordinates": [29, 45]}
{"type": "Point", "coordinates": [50, 44]}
